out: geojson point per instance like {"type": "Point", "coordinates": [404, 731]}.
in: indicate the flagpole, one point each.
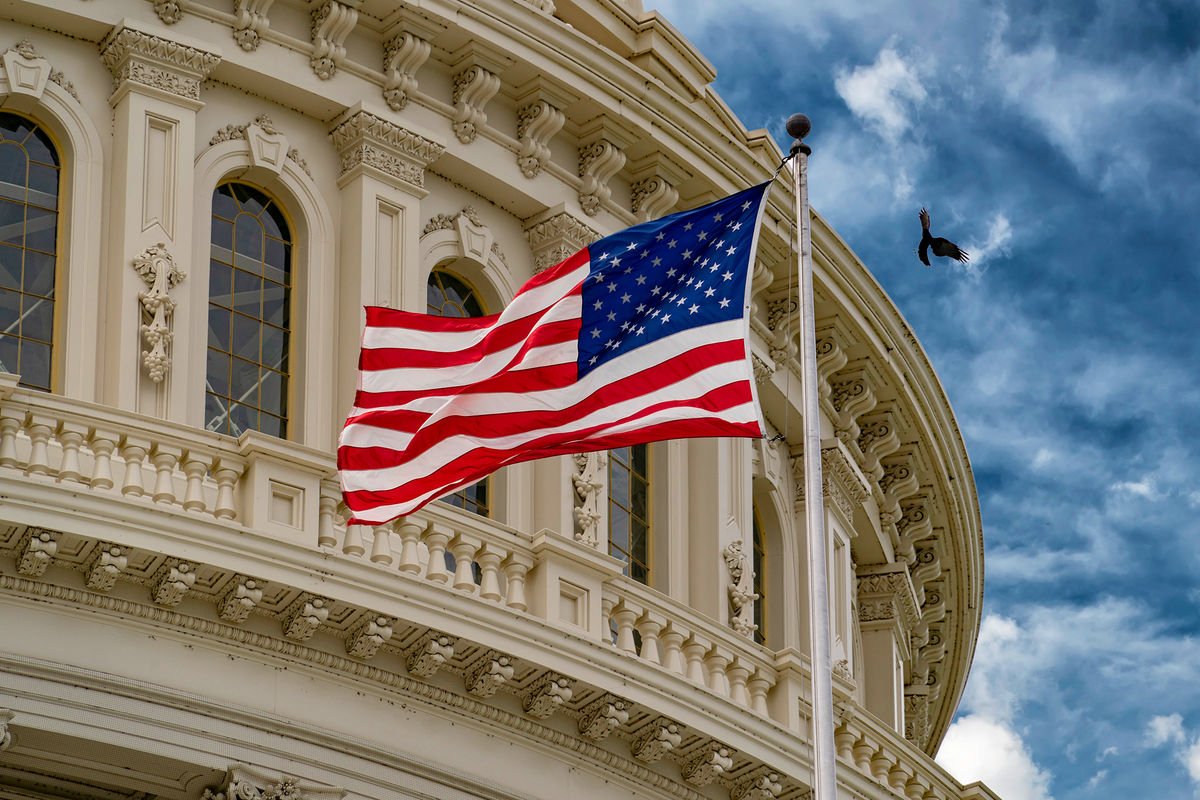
{"type": "Point", "coordinates": [824, 754]}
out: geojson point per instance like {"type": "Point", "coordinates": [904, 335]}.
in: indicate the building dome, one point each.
{"type": "Point", "coordinates": [197, 198]}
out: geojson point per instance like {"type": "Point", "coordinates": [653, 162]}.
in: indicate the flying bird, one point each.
{"type": "Point", "coordinates": [940, 246]}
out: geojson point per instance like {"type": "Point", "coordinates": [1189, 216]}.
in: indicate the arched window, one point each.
{"type": "Point", "coordinates": [448, 295]}
{"type": "Point", "coordinates": [249, 314]}
{"type": "Point", "coordinates": [29, 184]}
{"type": "Point", "coordinates": [758, 563]}
{"type": "Point", "coordinates": [629, 509]}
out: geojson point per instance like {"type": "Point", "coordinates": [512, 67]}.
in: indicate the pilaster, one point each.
{"type": "Point", "coordinates": [156, 94]}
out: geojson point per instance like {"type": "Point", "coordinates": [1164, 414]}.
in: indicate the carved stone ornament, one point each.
{"type": "Point", "coordinates": [168, 11]}
{"type": "Point", "coordinates": [603, 716]}
{"type": "Point", "coordinates": [588, 481]}
{"type": "Point", "coordinates": [305, 618]}
{"type": "Point", "coordinates": [250, 22]}
{"type": "Point", "coordinates": [741, 589]}
{"type": "Point", "coordinates": [762, 785]}
{"type": "Point", "coordinates": [489, 674]}
{"type": "Point", "coordinates": [711, 762]}
{"type": "Point", "coordinates": [842, 484]}
{"type": "Point", "coordinates": [36, 551]}
{"type": "Point", "coordinates": [106, 563]}
{"type": "Point", "coordinates": [653, 197]}
{"type": "Point", "coordinates": [599, 161]}
{"type": "Point", "coordinates": [473, 88]}
{"type": "Point", "coordinates": [369, 635]}
{"type": "Point", "coordinates": [267, 143]}
{"type": "Point", "coordinates": [28, 72]}
{"type": "Point", "coordinates": [6, 737]}
{"type": "Point", "coordinates": [172, 582]}
{"type": "Point", "coordinates": [429, 653]}
{"type": "Point", "coordinates": [332, 22]}
{"type": "Point", "coordinates": [250, 783]}
{"type": "Point", "coordinates": [364, 140]}
{"type": "Point", "coordinates": [158, 269]}
{"type": "Point", "coordinates": [403, 55]}
{"type": "Point", "coordinates": [548, 694]}
{"type": "Point", "coordinates": [150, 61]}
{"type": "Point", "coordinates": [242, 597]}
{"type": "Point", "coordinates": [657, 740]}
{"type": "Point", "coordinates": [553, 239]}
{"type": "Point", "coordinates": [536, 125]}
{"type": "Point", "coordinates": [762, 370]}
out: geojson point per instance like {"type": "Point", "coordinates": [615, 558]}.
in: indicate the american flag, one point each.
{"type": "Point", "coordinates": [639, 337]}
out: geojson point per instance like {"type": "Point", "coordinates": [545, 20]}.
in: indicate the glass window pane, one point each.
{"type": "Point", "coordinates": [274, 223]}
{"type": "Point", "coordinates": [10, 311]}
{"type": "Point", "coordinates": [41, 229]}
{"type": "Point", "coordinates": [217, 374]}
{"type": "Point", "coordinates": [641, 459]}
{"type": "Point", "coordinates": [223, 203]}
{"type": "Point", "coordinates": [618, 525]}
{"type": "Point", "coordinates": [37, 318]}
{"type": "Point", "coordinates": [39, 273]}
{"type": "Point", "coordinates": [222, 239]}
{"type": "Point", "coordinates": [12, 222]}
{"type": "Point", "coordinates": [14, 166]}
{"type": "Point", "coordinates": [10, 267]}
{"type": "Point", "coordinates": [8, 353]}
{"type": "Point", "coordinates": [43, 185]}
{"type": "Point", "coordinates": [249, 237]}
{"type": "Point", "coordinates": [270, 425]}
{"type": "Point", "coordinates": [272, 392]}
{"type": "Point", "coordinates": [218, 328]}
{"type": "Point", "coordinates": [241, 419]}
{"type": "Point", "coordinates": [618, 486]}
{"type": "Point", "coordinates": [275, 305]}
{"type": "Point", "coordinates": [245, 337]}
{"type": "Point", "coordinates": [215, 418]}
{"type": "Point", "coordinates": [35, 364]}
{"type": "Point", "coordinates": [247, 293]}
{"type": "Point", "coordinates": [273, 343]}
{"type": "Point", "coordinates": [244, 382]}
{"type": "Point", "coordinates": [40, 149]}
{"type": "Point", "coordinates": [220, 280]}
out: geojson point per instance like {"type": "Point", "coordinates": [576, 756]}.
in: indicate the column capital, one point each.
{"type": "Point", "coordinates": [368, 143]}
{"type": "Point", "coordinates": [153, 64]}
{"type": "Point", "coordinates": [554, 234]}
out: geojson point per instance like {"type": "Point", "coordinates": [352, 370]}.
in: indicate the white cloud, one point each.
{"type": "Point", "coordinates": [980, 749]}
{"type": "Point", "coordinates": [1097, 779]}
{"type": "Point", "coordinates": [1043, 457]}
{"type": "Point", "coordinates": [1144, 488]}
{"type": "Point", "coordinates": [996, 243]}
{"type": "Point", "coordinates": [1163, 729]}
{"type": "Point", "coordinates": [882, 94]}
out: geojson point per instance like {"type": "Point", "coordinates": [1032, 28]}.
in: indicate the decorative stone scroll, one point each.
{"type": "Point", "coordinates": [588, 482]}
{"type": "Point", "coordinates": [249, 783]}
{"type": "Point", "coordinates": [369, 635]}
{"type": "Point", "coordinates": [843, 485]}
{"type": "Point", "coordinates": [6, 737]}
{"type": "Point", "coordinates": [741, 589]}
{"type": "Point", "coordinates": [158, 269]}
{"type": "Point", "coordinates": [652, 187]}
{"type": "Point", "coordinates": [548, 694]}
{"type": "Point", "coordinates": [762, 785]}
{"type": "Point", "coordinates": [429, 653]}
{"type": "Point", "coordinates": [489, 674]}
{"type": "Point", "coordinates": [598, 162]}
{"type": "Point", "coordinates": [403, 55]}
{"type": "Point", "coordinates": [711, 762]}
{"type": "Point", "coordinates": [106, 563]}
{"type": "Point", "coordinates": [152, 62]}
{"type": "Point", "coordinates": [657, 740]}
{"type": "Point", "coordinates": [474, 86]}
{"type": "Point", "coordinates": [332, 22]}
{"type": "Point", "coordinates": [172, 582]}
{"type": "Point", "coordinates": [305, 618]}
{"type": "Point", "coordinates": [250, 22]}
{"type": "Point", "coordinates": [603, 716]}
{"type": "Point", "coordinates": [242, 597]}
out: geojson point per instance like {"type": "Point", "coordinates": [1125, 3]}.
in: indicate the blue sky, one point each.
{"type": "Point", "coordinates": [1060, 144]}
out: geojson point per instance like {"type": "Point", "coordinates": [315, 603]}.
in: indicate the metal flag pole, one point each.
{"type": "Point", "coordinates": [824, 754]}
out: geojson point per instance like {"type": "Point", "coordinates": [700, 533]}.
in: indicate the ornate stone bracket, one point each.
{"type": "Point", "coordinates": [172, 582]}
{"type": "Point", "coordinates": [250, 22]}
{"type": "Point", "coordinates": [886, 597]}
{"type": "Point", "coordinates": [603, 716]}
{"type": "Point", "coordinates": [136, 58]}
{"type": "Point", "coordinates": [268, 145]}
{"type": "Point", "coordinates": [365, 141]}
{"type": "Point", "coordinates": [489, 674]}
{"type": "Point", "coordinates": [429, 653]}
{"type": "Point", "coordinates": [474, 86]}
{"type": "Point", "coordinates": [306, 617]}
{"type": "Point", "coordinates": [762, 785]}
{"type": "Point", "coordinates": [588, 481]}
{"type": "Point", "coordinates": [403, 55]}
{"type": "Point", "coordinates": [36, 551]}
{"type": "Point", "coordinates": [28, 72]}
{"type": "Point", "coordinates": [106, 563]}
{"type": "Point", "coordinates": [741, 589]}
{"type": "Point", "coordinates": [652, 184]}
{"type": "Point", "coordinates": [249, 783]}
{"type": "Point", "coordinates": [369, 635]}
{"type": "Point", "coordinates": [554, 237]}
{"type": "Point", "coordinates": [842, 483]}
{"type": "Point", "coordinates": [537, 123]}
{"type": "Point", "coordinates": [548, 694]}
{"type": "Point", "coordinates": [601, 156]}
{"type": "Point", "coordinates": [657, 740]}
{"type": "Point", "coordinates": [332, 22]}
{"type": "Point", "coordinates": [160, 272]}
{"type": "Point", "coordinates": [242, 597]}
{"type": "Point", "coordinates": [6, 737]}
{"type": "Point", "coordinates": [711, 762]}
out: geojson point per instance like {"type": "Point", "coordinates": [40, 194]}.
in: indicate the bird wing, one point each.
{"type": "Point", "coordinates": [924, 215]}
{"type": "Point", "coordinates": [923, 251]}
{"type": "Point", "coordinates": [952, 250]}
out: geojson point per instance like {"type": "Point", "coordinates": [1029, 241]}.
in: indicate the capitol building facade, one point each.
{"type": "Point", "coordinates": [197, 198]}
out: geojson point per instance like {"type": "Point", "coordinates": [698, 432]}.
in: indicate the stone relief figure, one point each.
{"type": "Point", "coordinates": [589, 468]}
{"type": "Point", "coordinates": [741, 589]}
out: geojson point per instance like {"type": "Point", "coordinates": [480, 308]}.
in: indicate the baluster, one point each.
{"type": "Point", "coordinates": [195, 467]}
{"type": "Point", "coordinates": [133, 450]}
{"type": "Point", "coordinates": [464, 549]}
{"type": "Point", "coordinates": [70, 435]}
{"type": "Point", "coordinates": [10, 423]}
{"type": "Point", "coordinates": [226, 474]}
{"type": "Point", "coordinates": [607, 604]}
{"type": "Point", "coordinates": [39, 431]}
{"type": "Point", "coordinates": [625, 616]}
{"type": "Point", "coordinates": [381, 546]}
{"type": "Point", "coordinates": [327, 505]}
{"type": "Point", "coordinates": [649, 627]}
{"type": "Point", "coordinates": [864, 749]}
{"type": "Point", "coordinates": [516, 567]}
{"type": "Point", "coordinates": [738, 673]}
{"type": "Point", "coordinates": [915, 788]}
{"type": "Point", "coordinates": [694, 651]}
{"type": "Point", "coordinates": [843, 739]}
{"type": "Point", "coordinates": [165, 458]}
{"type": "Point", "coordinates": [672, 640]}
{"type": "Point", "coordinates": [410, 539]}
{"type": "Point", "coordinates": [759, 685]}
{"type": "Point", "coordinates": [436, 539]}
{"type": "Point", "coordinates": [489, 565]}
{"type": "Point", "coordinates": [352, 542]}
{"type": "Point", "coordinates": [881, 762]}
{"type": "Point", "coordinates": [103, 443]}
{"type": "Point", "coordinates": [898, 775]}
{"type": "Point", "coordinates": [716, 661]}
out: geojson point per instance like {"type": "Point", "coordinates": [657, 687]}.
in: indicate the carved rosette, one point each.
{"type": "Point", "coordinates": [536, 125]}
{"type": "Point", "coordinates": [250, 22]}
{"type": "Point", "coordinates": [554, 239]}
{"type": "Point", "coordinates": [158, 269]}
{"type": "Point", "coordinates": [168, 11]}
{"type": "Point", "coordinates": [145, 60]}
{"type": "Point", "coordinates": [332, 22]}
{"type": "Point", "coordinates": [657, 740]}
{"type": "Point", "coordinates": [473, 88]}
{"type": "Point", "coordinates": [589, 483]}
{"type": "Point", "coordinates": [364, 140]}
{"type": "Point", "coordinates": [741, 589]}
{"type": "Point", "coordinates": [599, 161]}
{"type": "Point", "coordinates": [403, 55]}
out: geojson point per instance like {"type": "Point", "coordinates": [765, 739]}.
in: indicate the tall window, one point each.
{"type": "Point", "coordinates": [249, 314]}
{"type": "Point", "coordinates": [759, 564]}
{"type": "Point", "coordinates": [448, 295]}
{"type": "Point", "coordinates": [629, 509]}
{"type": "Point", "coordinates": [29, 179]}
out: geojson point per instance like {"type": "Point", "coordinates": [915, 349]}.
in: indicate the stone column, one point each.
{"type": "Point", "coordinates": [155, 99]}
{"type": "Point", "coordinates": [887, 613]}
{"type": "Point", "coordinates": [382, 183]}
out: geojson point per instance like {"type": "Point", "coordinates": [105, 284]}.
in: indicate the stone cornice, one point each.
{"type": "Point", "coordinates": [151, 61]}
